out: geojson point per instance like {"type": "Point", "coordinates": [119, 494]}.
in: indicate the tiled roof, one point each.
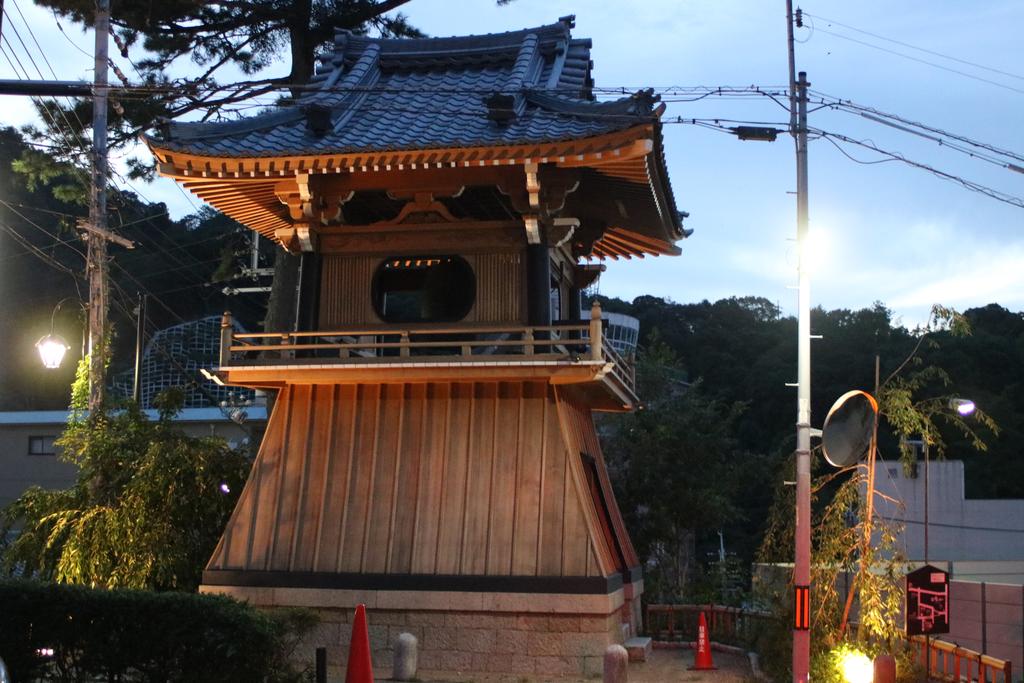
{"type": "Point", "coordinates": [373, 94]}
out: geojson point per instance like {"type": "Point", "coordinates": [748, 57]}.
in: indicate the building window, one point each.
{"type": "Point", "coordinates": [423, 289]}
{"type": "Point", "coordinates": [41, 445]}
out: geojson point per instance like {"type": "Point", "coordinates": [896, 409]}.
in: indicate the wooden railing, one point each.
{"type": "Point", "coordinates": [950, 662]}
{"type": "Point", "coordinates": [584, 341]}
{"type": "Point", "coordinates": [726, 625]}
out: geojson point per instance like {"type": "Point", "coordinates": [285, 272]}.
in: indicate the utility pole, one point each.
{"type": "Point", "coordinates": [140, 335]}
{"type": "Point", "coordinates": [802, 562]}
{"type": "Point", "coordinates": [96, 258]}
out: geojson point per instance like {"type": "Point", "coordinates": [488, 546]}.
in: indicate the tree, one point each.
{"type": "Point", "coordinates": [676, 468]}
{"type": "Point", "coordinates": [848, 537]}
{"type": "Point", "coordinates": [217, 37]}
{"type": "Point", "coordinates": [146, 510]}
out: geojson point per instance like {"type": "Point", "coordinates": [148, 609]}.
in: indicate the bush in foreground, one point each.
{"type": "Point", "coordinates": [116, 635]}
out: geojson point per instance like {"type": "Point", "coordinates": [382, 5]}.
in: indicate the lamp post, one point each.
{"type": "Point", "coordinates": [962, 407]}
{"type": "Point", "coordinates": [798, 85]}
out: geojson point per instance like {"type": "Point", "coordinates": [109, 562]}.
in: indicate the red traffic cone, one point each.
{"type": "Point", "coordinates": [702, 651]}
{"type": "Point", "coordinates": [360, 665]}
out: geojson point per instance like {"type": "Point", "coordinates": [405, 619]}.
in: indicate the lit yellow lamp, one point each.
{"type": "Point", "coordinates": [856, 667]}
{"type": "Point", "coordinates": [51, 350]}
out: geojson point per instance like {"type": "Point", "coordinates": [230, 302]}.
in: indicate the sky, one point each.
{"type": "Point", "coordinates": [888, 232]}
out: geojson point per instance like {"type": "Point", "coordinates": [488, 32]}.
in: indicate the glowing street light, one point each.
{"type": "Point", "coordinates": [856, 667]}
{"type": "Point", "coordinates": [963, 406]}
{"type": "Point", "coordinates": [51, 350]}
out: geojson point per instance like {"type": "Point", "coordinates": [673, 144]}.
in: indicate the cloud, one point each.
{"type": "Point", "coordinates": [983, 275]}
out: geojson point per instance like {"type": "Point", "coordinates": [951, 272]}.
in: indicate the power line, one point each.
{"type": "Point", "coordinates": [852, 107]}
{"type": "Point", "coordinates": [1004, 197]}
{"type": "Point", "coordinates": [922, 61]}
{"type": "Point", "coordinates": [963, 526]}
{"type": "Point", "coordinates": [914, 47]}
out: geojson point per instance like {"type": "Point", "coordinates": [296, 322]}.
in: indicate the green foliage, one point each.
{"type": "Point", "coordinates": [221, 38]}
{"type": "Point", "coordinates": [676, 467]}
{"type": "Point", "coordinates": [848, 537]}
{"type": "Point", "coordinates": [145, 511]}
{"type": "Point", "coordinates": [911, 416]}
{"type": "Point", "coordinates": [144, 636]}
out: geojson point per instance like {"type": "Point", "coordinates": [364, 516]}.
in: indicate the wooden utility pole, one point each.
{"type": "Point", "coordinates": [96, 258]}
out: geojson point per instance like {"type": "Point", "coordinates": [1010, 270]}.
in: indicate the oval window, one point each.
{"type": "Point", "coordinates": [423, 289]}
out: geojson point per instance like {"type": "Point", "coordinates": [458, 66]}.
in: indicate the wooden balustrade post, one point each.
{"type": "Point", "coordinates": [227, 329]}
{"type": "Point", "coordinates": [596, 351]}
{"type": "Point", "coordinates": [404, 351]}
{"type": "Point", "coordinates": [528, 342]}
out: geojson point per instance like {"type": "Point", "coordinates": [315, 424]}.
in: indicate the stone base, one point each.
{"type": "Point", "coordinates": [460, 632]}
{"type": "Point", "coordinates": [639, 649]}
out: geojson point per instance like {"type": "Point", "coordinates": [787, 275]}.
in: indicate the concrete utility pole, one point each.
{"type": "Point", "coordinates": [802, 562]}
{"type": "Point", "coordinates": [96, 259]}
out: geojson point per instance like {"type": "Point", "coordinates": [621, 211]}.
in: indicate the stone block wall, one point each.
{"type": "Point", "coordinates": [469, 642]}
{"type": "Point", "coordinates": [519, 634]}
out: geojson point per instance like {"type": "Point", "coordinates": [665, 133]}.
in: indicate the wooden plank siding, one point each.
{"type": "Point", "coordinates": [346, 283]}
{"type": "Point", "coordinates": [442, 478]}
{"type": "Point", "coordinates": [345, 291]}
{"type": "Point", "coordinates": [581, 436]}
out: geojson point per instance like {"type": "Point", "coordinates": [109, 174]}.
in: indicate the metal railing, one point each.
{"type": "Point", "coordinates": [726, 625]}
{"type": "Point", "coordinates": [441, 343]}
{"type": "Point", "coordinates": [950, 662]}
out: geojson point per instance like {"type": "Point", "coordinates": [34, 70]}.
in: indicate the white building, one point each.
{"type": "Point", "coordinates": [984, 539]}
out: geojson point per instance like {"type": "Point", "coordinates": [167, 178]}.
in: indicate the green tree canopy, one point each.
{"type": "Point", "coordinates": [146, 510]}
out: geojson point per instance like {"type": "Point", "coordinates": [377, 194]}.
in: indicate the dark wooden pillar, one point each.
{"type": "Point", "coordinates": [575, 304]}
{"type": "Point", "coordinates": [309, 292]}
{"type": "Point", "coordinates": [538, 285]}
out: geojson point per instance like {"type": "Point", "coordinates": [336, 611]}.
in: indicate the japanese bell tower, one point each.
{"type": "Point", "coordinates": [431, 452]}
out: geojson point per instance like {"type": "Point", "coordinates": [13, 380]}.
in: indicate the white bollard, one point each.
{"type": "Point", "coordinates": [405, 657]}
{"type": "Point", "coordinates": [616, 660]}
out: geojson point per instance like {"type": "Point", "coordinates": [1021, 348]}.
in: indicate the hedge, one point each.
{"type": "Point", "coordinates": [127, 635]}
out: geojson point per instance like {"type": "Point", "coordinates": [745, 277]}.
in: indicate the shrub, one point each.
{"type": "Point", "coordinates": [139, 635]}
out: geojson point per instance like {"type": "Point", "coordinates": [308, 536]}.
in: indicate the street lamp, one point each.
{"type": "Point", "coordinates": [963, 407]}
{"type": "Point", "coordinates": [51, 350]}
{"type": "Point", "coordinates": [52, 347]}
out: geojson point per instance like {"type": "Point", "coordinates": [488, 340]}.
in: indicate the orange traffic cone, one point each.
{"type": "Point", "coordinates": [360, 665]}
{"type": "Point", "coordinates": [702, 652]}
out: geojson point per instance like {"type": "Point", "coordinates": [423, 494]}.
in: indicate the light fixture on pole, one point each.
{"type": "Point", "coordinates": [963, 406]}
{"type": "Point", "coordinates": [52, 347]}
{"type": "Point", "coordinates": [51, 350]}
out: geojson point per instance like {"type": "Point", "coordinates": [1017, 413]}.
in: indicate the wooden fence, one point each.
{"type": "Point", "coordinates": [572, 342]}
{"type": "Point", "coordinates": [950, 662]}
{"type": "Point", "coordinates": [726, 625]}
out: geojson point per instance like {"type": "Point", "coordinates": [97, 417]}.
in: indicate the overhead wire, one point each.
{"type": "Point", "coordinates": [963, 182]}
{"type": "Point", "coordinates": [915, 47]}
{"type": "Point", "coordinates": [68, 138]}
{"type": "Point", "coordinates": [922, 61]}
{"type": "Point", "coordinates": [853, 107]}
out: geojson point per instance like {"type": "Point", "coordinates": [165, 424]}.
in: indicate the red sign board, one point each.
{"type": "Point", "coordinates": [927, 601]}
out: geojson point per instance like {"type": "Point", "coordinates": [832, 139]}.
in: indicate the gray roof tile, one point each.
{"type": "Point", "coordinates": [396, 94]}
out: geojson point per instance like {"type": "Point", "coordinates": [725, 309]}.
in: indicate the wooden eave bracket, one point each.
{"type": "Point", "coordinates": [564, 229]}
{"type": "Point", "coordinates": [532, 224]}
{"type": "Point", "coordinates": [298, 238]}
